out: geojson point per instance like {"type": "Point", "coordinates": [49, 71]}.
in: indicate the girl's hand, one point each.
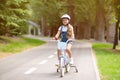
{"type": "Point", "coordinates": [55, 38]}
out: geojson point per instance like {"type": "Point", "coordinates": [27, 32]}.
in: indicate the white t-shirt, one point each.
{"type": "Point", "coordinates": [64, 28]}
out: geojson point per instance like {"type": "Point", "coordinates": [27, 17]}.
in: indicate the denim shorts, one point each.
{"type": "Point", "coordinates": [61, 45]}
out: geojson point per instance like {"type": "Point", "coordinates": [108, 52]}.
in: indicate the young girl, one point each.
{"type": "Point", "coordinates": [67, 34]}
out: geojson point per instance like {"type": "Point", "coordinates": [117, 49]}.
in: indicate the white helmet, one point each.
{"type": "Point", "coordinates": [65, 16]}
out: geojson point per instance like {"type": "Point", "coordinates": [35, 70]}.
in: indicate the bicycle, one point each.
{"type": "Point", "coordinates": [64, 65]}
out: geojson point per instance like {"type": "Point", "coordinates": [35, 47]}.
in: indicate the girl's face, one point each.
{"type": "Point", "coordinates": [65, 21]}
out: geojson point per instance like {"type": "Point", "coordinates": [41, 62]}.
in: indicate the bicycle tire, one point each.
{"type": "Point", "coordinates": [61, 67]}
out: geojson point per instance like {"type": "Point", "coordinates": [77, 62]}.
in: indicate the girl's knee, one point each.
{"type": "Point", "coordinates": [67, 49]}
{"type": "Point", "coordinates": [58, 50]}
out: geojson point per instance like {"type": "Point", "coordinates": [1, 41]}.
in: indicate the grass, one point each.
{"type": "Point", "coordinates": [17, 44]}
{"type": "Point", "coordinates": [108, 61]}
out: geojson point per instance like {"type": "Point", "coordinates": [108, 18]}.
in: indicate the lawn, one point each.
{"type": "Point", "coordinates": [108, 61]}
{"type": "Point", "coordinates": [9, 45]}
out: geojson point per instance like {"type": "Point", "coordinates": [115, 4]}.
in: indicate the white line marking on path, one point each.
{"type": "Point", "coordinates": [51, 56]}
{"type": "Point", "coordinates": [43, 62]}
{"type": "Point", "coordinates": [30, 70]}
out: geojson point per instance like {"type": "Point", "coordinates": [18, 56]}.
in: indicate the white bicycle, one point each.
{"type": "Point", "coordinates": [64, 65]}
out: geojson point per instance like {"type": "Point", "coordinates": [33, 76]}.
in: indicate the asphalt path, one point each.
{"type": "Point", "coordinates": [39, 63]}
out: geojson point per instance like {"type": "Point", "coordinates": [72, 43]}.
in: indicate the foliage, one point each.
{"type": "Point", "coordinates": [12, 16]}
{"type": "Point", "coordinates": [15, 13]}
{"type": "Point", "coordinates": [85, 11]}
{"type": "Point", "coordinates": [117, 8]}
{"type": "Point", "coordinates": [49, 9]}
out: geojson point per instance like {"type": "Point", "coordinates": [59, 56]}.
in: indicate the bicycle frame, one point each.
{"type": "Point", "coordinates": [64, 59]}
{"type": "Point", "coordinates": [64, 65]}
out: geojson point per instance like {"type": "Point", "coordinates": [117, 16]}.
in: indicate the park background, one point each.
{"type": "Point", "coordinates": [96, 21]}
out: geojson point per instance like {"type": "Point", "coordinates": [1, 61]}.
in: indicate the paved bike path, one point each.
{"type": "Point", "coordinates": [39, 63]}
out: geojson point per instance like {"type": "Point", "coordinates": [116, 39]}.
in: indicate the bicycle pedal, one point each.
{"type": "Point", "coordinates": [72, 65]}
{"type": "Point", "coordinates": [57, 65]}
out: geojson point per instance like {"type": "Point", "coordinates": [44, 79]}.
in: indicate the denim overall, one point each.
{"type": "Point", "coordinates": [63, 35]}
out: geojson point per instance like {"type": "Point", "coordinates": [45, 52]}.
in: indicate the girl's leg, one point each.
{"type": "Point", "coordinates": [68, 50]}
{"type": "Point", "coordinates": [58, 54]}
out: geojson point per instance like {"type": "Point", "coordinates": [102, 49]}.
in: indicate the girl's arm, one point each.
{"type": "Point", "coordinates": [57, 35]}
{"type": "Point", "coordinates": [73, 35]}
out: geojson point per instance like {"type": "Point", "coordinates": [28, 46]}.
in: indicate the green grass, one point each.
{"type": "Point", "coordinates": [18, 44]}
{"type": "Point", "coordinates": [108, 61]}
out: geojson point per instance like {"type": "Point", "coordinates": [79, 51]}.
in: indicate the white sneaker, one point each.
{"type": "Point", "coordinates": [71, 61]}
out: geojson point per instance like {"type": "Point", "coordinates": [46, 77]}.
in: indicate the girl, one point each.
{"type": "Point", "coordinates": [67, 34]}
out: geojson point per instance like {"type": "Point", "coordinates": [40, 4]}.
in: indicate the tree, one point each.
{"type": "Point", "coordinates": [117, 11]}
{"type": "Point", "coordinates": [12, 14]}
{"type": "Point", "coordinates": [47, 13]}
{"type": "Point", "coordinates": [90, 17]}
{"type": "Point", "coordinates": [71, 7]}
{"type": "Point", "coordinates": [100, 22]}
{"type": "Point", "coordinates": [84, 18]}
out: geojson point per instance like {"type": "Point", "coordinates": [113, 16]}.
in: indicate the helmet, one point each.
{"type": "Point", "coordinates": [65, 16]}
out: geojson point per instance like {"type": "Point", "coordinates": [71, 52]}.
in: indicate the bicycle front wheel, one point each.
{"type": "Point", "coordinates": [62, 68]}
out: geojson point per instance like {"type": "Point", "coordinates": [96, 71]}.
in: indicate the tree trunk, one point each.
{"type": "Point", "coordinates": [110, 31]}
{"type": "Point", "coordinates": [75, 31]}
{"type": "Point", "coordinates": [71, 11]}
{"type": "Point", "coordinates": [116, 34]}
{"type": "Point", "coordinates": [43, 26]}
{"type": "Point", "coordinates": [109, 28]}
{"type": "Point", "coordinates": [119, 33]}
{"type": "Point", "coordinates": [100, 24]}
{"type": "Point", "coordinates": [87, 30]}
{"type": "Point", "coordinates": [80, 31]}
{"type": "Point", "coordinates": [83, 30]}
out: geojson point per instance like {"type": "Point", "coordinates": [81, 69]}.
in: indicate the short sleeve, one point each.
{"type": "Point", "coordinates": [59, 28]}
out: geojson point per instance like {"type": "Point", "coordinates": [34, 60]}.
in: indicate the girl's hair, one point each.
{"type": "Point", "coordinates": [69, 31]}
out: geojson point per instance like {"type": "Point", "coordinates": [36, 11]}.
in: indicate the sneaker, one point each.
{"type": "Point", "coordinates": [71, 61]}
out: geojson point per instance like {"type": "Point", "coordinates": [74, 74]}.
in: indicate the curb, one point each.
{"type": "Point", "coordinates": [95, 66]}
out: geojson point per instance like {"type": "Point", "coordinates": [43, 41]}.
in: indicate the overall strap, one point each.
{"type": "Point", "coordinates": [61, 29]}
{"type": "Point", "coordinates": [63, 35]}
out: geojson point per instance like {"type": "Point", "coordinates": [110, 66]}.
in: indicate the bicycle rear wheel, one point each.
{"type": "Point", "coordinates": [67, 68]}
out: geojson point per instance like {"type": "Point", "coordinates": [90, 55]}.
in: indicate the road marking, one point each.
{"type": "Point", "coordinates": [30, 70]}
{"type": "Point", "coordinates": [51, 56]}
{"type": "Point", "coordinates": [43, 62]}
